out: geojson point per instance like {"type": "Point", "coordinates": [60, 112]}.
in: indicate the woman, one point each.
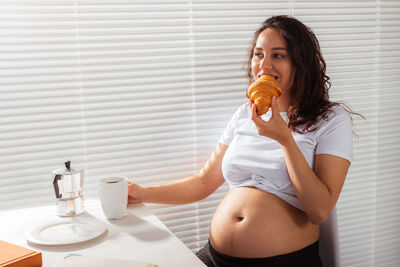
{"type": "Point", "coordinates": [285, 168]}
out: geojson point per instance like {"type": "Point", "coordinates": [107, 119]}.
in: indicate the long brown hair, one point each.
{"type": "Point", "coordinates": [309, 93]}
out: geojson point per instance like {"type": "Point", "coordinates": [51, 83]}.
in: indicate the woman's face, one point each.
{"type": "Point", "coordinates": [270, 56]}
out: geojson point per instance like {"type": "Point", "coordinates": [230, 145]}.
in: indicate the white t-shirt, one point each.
{"type": "Point", "coordinates": [258, 161]}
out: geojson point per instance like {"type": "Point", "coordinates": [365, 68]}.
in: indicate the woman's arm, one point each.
{"type": "Point", "coordinates": [317, 190]}
{"type": "Point", "coordinates": [188, 190]}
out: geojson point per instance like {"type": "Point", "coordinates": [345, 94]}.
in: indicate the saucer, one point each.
{"type": "Point", "coordinates": [65, 232]}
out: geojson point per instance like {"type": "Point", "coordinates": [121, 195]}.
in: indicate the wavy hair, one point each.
{"type": "Point", "coordinates": [309, 93]}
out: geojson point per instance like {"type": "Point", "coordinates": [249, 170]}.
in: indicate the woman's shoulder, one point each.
{"type": "Point", "coordinates": [334, 113]}
{"type": "Point", "coordinates": [330, 118]}
{"type": "Point", "coordinates": [339, 110]}
{"type": "Point", "coordinates": [336, 117]}
{"type": "Point", "coordinates": [335, 134]}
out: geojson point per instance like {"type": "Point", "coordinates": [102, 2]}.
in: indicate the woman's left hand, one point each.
{"type": "Point", "coordinates": [275, 128]}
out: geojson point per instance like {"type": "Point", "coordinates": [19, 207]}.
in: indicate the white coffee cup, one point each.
{"type": "Point", "coordinates": [113, 193]}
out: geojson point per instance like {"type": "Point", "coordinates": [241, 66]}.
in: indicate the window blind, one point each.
{"type": "Point", "coordinates": [144, 89]}
{"type": "Point", "coordinates": [387, 212]}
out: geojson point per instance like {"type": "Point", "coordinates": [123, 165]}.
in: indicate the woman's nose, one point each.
{"type": "Point", "coordinates": [266, 64]}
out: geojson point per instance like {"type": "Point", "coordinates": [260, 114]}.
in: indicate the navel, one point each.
{"type": "Point", "coordinates": [239, 218]}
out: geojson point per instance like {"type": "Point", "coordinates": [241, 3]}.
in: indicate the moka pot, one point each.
{"type": "Point", "coordinates": [68, 185]}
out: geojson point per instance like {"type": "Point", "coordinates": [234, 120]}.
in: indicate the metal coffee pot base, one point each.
{"type": "Point", "coordinates": [70, 207]}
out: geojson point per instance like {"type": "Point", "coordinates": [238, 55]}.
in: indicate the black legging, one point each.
{"type": "Point", "coordinates": [306, 257]}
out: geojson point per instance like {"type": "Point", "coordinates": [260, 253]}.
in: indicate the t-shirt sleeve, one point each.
{"type": "Point", "coordinates": [230, 128]}
{"type": "Point", "coordinates": [335, 136]}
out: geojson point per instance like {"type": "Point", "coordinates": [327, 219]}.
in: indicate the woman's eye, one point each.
{"type": "Point", "coordinates": [278, 56]}
{"type": "Point", "coordinates": [259, 55]}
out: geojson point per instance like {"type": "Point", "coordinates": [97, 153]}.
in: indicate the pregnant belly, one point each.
{"type": "Point", "coordinates": [252, 223]}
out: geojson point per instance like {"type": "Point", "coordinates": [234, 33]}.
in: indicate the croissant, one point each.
{"type": "Point", "coordinates": [261, 92]}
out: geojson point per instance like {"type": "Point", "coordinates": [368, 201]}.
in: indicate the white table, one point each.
{"type": "Point", "coordinates": [139, 236]}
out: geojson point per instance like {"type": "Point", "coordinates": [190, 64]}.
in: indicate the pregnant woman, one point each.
{"type": "Point", "coordinates": [285, 167]}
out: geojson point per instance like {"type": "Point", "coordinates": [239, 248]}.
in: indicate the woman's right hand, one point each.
{"type": "Point", "coordinates": [275, 128]}
{"type": "Point", "coordinates": [135, 193]}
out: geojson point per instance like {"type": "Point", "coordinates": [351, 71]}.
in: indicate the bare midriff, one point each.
{"type": "Point", "coordinates": [251, 223]}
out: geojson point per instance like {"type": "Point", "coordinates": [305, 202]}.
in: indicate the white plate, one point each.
{"type": "Point", "coordinates": [65, 232]}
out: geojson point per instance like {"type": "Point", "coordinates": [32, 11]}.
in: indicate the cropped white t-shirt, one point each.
{"type": "Point", "coordinates": [258, 161]}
